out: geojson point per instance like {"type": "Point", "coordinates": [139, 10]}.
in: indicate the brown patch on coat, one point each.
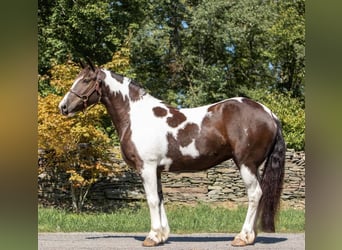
{"type": "Point", "coordinates": [187, 134]}
{"type": "Point", "coordinates": [187, 163]}
{"type": "Point", "coordinates": [101, 75]}
{"type": "Point", "coordinates": [135, 91]}
{"type": "Point", "coordinates": [117, 77]}
{"type": "Point", "coordinates": [129, 151]}
{"type": "Point", "coordinates": [159, 111]}
{"type": "Point", "coordinates": [173, 150]}
{"type": "Point", "coordinates": [179, 161]}
{"type": "Point", "coordinates": [176, 119]}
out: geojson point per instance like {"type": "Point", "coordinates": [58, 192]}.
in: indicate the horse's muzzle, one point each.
{"type": "Point", "coordinates": [64, 109]}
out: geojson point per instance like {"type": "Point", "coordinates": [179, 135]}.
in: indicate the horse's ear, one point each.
{"type": "Point", "coordinates": [90, 64]}
{"type": "Point", "coordinates": [81, 63]}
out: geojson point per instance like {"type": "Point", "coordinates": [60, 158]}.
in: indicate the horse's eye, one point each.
{"type": "Point", "coordinates": [87, 80]}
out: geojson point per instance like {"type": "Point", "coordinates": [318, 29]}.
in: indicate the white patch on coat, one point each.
{"type": "Point", "coordinates": [246, 133]}
{"type": "Point", "coordinates": [166, 162]}
{"type": "Point", "coordinates": [149, 133]}
{"type": "Point", "coordinates": [116, 86]}
{"type": "Point", "coordinates": [190, 150]}
{"type": "Point", "coordinates": [239, 99]}
{"type": "Point", "coordinates": [196, 115]}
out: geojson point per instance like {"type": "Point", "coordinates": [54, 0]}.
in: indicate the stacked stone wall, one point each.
{"type": "Point", "coordinates": [221, 183]}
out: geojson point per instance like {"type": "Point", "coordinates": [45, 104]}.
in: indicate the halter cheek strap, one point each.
{"type": "Point", "coordinates": [85, 97]}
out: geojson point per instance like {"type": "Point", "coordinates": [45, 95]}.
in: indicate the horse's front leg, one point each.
{"type": "Point", "coordinates": [159, 224]}
{"type": "Point", "coordinates": [163, 217]}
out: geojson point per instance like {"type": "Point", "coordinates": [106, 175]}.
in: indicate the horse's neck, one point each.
{"type": "Point", "coordinates": [119, 115]}
{"type": "Point", "coordinates": [119, 104]}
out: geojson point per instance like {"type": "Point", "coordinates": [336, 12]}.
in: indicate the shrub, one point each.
{"type": "Point", "coordinates": [77, 145]}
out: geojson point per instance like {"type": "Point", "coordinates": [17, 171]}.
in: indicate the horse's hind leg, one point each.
{"type": "Point", "coordinates": [159, 224]}
{"type": "Point", "coordinates": [247, 234]}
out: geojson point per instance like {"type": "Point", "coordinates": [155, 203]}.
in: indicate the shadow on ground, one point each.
{"type": "Point", "coordinates": [260, 239]}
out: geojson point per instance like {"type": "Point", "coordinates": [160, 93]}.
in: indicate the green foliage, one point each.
{"type": "Point", "coordinates": [182, 50]}
{"type": "Point", "coordinates": [44, 87]}
{"type": "Point", "coordinates": [288, 51]}
{"type": "Point", "coordinates": [210, 88]}
{"type": "Point", "coordinates": [121, 61]}
{"type": "Point", "coordinates": [75, 29]}
{"type": "Point", "coordinates": [231, 35]}
{"type": "Point", "coordinates": [204, 51]}
{"type": "Point", "coordinates": [290, 111]}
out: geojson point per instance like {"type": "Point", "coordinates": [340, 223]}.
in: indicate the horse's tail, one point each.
{"type": "Point", "coordinates": [272, 182]}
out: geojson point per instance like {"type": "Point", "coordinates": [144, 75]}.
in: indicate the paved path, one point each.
{"type": "Point", "coordinates": [106, 241]}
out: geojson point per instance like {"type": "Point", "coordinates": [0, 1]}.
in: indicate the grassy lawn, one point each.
{"type": "Point", "coordinates": [182, 219]}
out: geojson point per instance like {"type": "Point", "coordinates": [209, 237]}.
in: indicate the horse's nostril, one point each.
{"type": "Point", "coordinates": [64, 109]}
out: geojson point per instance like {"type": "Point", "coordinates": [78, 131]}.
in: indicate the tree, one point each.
{"type": "Point", "coordinates": [75, 29]}
{"type": "Point", "coordinates": [187, 52]}
{"type": "Point", "coordinates": [196, 52]}
{"type": "Point", "coordinates": [288, 54]}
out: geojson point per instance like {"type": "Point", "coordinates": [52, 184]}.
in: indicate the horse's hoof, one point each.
{"type": "Point", "coordinates": [237, 242]}
{"type": "Point", "coordinates": [149, 243]}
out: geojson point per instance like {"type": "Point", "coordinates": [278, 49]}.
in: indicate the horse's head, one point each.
{"type": "Point", "coordinates": [85, 91]}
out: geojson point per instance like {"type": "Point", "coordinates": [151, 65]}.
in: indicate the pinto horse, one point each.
{"type": "Point", "coordinates": [156, 137]}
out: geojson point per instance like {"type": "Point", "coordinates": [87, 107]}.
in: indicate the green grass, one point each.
{"type": "Point", "coordinates": [182, 219]}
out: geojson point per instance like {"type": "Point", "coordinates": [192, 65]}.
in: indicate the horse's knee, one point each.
{"type": "Point", "coordinates": [255, 194]}
{"type": "Point", "coordinates": [152, 201]}
{"type": "Point", "coordinates": [252, 184]}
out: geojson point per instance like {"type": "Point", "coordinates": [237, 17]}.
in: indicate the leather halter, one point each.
{"type": "Point", "coordinates": [84, 97]}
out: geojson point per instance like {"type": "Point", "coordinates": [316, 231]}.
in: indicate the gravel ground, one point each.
{"type": "Point", "coordinates": [104, 241]}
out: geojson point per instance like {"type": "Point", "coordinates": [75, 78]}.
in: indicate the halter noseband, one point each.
{"type": "Point", "coordinates": [85, 97]}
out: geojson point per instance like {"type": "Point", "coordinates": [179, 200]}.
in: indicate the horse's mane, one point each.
{"type": "Point", "coordinates": [133, 83]}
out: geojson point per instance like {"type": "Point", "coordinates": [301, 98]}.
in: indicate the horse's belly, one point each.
{"type": "Point", "coordinates": [191, 164]}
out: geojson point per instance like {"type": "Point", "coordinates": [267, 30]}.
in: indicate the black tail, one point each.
{"type": "Point", "coordinates": [272, 183]}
